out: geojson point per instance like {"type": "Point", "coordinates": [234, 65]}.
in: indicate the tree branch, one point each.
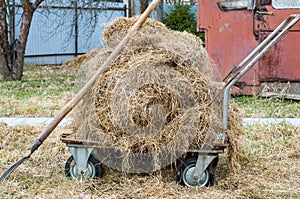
{"type": "Point", "coordinates": [32, 6]}
{"type": "Point", "coordinates": [26, 4]}
{"type": "Point", "coordinates": [36, 3]}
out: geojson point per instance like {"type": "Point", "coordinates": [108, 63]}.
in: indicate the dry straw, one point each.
{"type": "Point", "coordinates": [153, 97]}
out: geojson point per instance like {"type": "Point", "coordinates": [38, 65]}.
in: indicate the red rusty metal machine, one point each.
{"type": "Point", "coordinates": [233, 28]}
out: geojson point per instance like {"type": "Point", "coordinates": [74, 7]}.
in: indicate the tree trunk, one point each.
{"type": "Point", "coordinates": [4, 45]}
{"type": "Point", "coordinates": [143, 5]}
{"type": "Point", "coordinates": [12, 55]}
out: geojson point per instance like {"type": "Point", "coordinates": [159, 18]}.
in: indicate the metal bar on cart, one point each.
{"type": "Point", "coordinates": [267, 44]}
{"type": "Point", "coordinates": [261, 45]}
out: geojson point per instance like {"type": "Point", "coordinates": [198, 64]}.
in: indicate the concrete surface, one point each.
{"type": "Point", "coordinates": [14, 121]}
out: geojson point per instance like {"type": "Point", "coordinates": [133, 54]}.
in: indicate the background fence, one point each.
{"type": "Point", "coordinates": [59, 33]}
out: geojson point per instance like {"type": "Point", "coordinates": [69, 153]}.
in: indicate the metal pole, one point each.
{"type": "Point", "coordinates": [125, 10]}
{"type": "Point", "coordinates": [275, 40]}
{"type": "Point", "coordinates": [259, 47]}
{"type": "Point", "coordinates": [13, 20]}
{"type": "Point", "coordinates": [76, 27]}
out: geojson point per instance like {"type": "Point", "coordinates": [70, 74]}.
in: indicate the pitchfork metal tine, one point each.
{"type": "Point", "coordinates": [13, 167]}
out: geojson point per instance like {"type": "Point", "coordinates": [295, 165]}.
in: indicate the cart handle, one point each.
{"type": "Point", "coordinates": [261, 49]}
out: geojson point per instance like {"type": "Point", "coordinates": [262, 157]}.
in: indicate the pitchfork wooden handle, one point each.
{"type": "Point", "coordinates": [47, 131]}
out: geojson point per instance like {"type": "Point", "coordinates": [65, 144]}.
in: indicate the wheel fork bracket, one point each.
{"type": "Point", "coordinates": [202, 163]}
{"type": "Point", "coordinates": [81, 155]}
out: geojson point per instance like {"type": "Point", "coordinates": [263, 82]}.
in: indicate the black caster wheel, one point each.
{"type": "Point", "coordinates": [185, 175]}
{"type": "Point", "coordinates": [94, 169]}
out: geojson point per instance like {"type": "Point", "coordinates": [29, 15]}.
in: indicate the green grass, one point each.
{"type": "Point", "coordinates": [39, 85]}
{"type": "Point", "coordinates": [266, 107]}
{"type": "Point", "coordinates": [42, 91]}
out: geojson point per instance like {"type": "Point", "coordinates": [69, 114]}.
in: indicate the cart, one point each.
{"type": "Point", "coordinates": [197, 168]}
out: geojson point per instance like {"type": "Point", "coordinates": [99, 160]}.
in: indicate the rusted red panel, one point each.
{"type": "Point", "coordinates": [270, 22]}
{"type": "Point", "coordinates": [230, 38]}
{"type": "Point", "coordinates": [282, 62]}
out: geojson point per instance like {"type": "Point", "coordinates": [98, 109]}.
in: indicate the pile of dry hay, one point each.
{"type": "Point", "coordinates": [152, 99]}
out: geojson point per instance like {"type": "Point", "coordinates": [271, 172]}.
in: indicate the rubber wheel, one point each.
{"type": "Point", "coordinates": [185, 175]}
{"type": "Point", "coordinates": [94, 169]}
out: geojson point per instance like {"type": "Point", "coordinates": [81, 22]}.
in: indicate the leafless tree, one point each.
{"type": "Point", "coordinates": [12, 51]}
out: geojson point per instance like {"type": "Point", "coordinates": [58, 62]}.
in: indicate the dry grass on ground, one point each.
{"type": "Point", "coordinates": [43, 91]}
{"type": "Point", "coordinates": [270, 169]}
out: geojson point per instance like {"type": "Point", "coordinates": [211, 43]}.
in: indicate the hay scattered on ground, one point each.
{"type": "Point", "coordinates": [271, 170]}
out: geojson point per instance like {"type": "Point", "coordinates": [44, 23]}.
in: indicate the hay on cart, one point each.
{"type": "Point", "coordinates": [152, 99]}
